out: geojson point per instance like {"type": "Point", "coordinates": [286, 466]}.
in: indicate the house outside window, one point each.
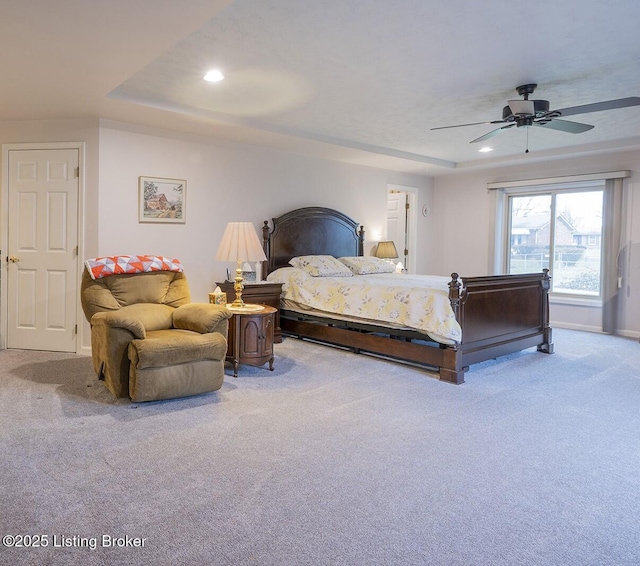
{"type": "Point", "coordinates": [560, 230]}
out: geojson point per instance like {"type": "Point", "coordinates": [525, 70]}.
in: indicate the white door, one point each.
{"type": "Point", "coordinates": [42, 282]}
{"type": "Point", "coordinates": [397, 223]}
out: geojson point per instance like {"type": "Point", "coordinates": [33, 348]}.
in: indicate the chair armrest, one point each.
{"type": "Point", "coordinates": [202, 318]}
{"type": "Point", "coordinates": [116, 319]}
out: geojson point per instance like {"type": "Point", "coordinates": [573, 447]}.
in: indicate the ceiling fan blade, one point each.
{"type": "Point", "coordinates": [599, 106]}
{"type": "Point", "coordinates": [565, 126]}
{"type": "Point", "coordinates": [491, 134]}
{"type": "Point", "coordinates": [473, 124]}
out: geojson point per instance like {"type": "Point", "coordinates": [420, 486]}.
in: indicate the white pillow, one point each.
{"type": "Point", "coordinates": [289, 276]}
{"type": "Point", "coordinates": [321, 266]}
{"type": "Point", "coordinates": [361, 265]}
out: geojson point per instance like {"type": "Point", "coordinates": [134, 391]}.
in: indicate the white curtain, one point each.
{"type": "Point", "coordinates": [612, 247]}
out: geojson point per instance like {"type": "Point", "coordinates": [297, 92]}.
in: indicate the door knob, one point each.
{"type": "Point", "coordinates": [14, 259]}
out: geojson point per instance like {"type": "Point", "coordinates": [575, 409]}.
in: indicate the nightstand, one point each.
{"type": "Point", "coordinates": [250, 339]}
{"type": "Point", "coordinates": [258, 293]}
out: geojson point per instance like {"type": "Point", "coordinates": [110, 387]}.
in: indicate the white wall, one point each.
{"type": "Point", "coordinates": [463, 230]}
{"type": "Point", "coordinates": [225, 182]}
{"type": "Point", "coordinates": [229, 181]}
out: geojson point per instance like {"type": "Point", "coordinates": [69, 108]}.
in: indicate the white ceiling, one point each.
{"type": "Point", "coordinates": [362, 81]}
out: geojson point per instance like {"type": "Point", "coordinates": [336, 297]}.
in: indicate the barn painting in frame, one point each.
{"type": "Point", "coordinates": [162, 200]}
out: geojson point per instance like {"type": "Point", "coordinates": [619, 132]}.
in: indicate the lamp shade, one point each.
{"type": "Point", "coordinates": [240, 243]}
{"type": "Point", "coordinates": [386, 250]}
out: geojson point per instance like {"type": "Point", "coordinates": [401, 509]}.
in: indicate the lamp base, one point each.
{"type": "Point", "coordinates": [238, 285]}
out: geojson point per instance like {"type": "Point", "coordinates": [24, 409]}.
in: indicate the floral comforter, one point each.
{"type": "Point", "coordinates": [419, 302]}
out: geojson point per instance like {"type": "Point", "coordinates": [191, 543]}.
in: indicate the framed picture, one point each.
{"type": "Point", "coordinates": [162, 200]}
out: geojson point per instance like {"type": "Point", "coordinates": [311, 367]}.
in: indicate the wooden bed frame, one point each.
{"type": "Point", "coordinates": [499, 314]}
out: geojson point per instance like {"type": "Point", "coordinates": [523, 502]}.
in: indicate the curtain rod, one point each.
{"type": "Point", "coordinates": [556, 180]}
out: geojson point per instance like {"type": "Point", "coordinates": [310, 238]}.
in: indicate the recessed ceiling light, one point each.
{"type": "Point", "coordinates": [485, 149]}
{"type": "Point", "coordinates": [214, 76]}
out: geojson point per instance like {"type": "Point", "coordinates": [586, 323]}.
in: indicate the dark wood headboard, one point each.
{"type": "Point", "coordinates": [312, 230]}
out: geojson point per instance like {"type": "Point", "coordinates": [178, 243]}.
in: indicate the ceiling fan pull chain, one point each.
{"type": "Point", "coordinates": [527, 150]}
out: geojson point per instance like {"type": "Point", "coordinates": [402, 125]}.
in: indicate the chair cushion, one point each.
{"type": "Point", "coordinates": [148, 288]}
{"type": "Point", "coordinates": [169, 347]}
{"type": "Point", "coordinates": [116, 291]}
{"type": "Point", "coordinates": [152, 316]}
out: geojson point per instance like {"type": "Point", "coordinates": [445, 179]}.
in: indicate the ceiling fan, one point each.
{"type": "Point", "coordinates": [536, 113]}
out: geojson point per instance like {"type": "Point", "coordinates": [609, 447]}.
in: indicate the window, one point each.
{"type": "Point", "coordinates": [586, 271]}
{"type": "Point", "coordinates": [559, 229]}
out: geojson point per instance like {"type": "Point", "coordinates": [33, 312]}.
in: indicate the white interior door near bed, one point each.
{"type": "Point", "coordinates": [399, 220]}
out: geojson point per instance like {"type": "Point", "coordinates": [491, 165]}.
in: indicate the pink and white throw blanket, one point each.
{"type": "Point", "coordinates": [111, 265]}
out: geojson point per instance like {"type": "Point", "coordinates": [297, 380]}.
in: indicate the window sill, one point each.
{"type": "Point", "coordinates": [594, 303]}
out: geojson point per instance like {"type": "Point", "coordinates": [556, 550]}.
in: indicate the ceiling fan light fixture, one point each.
{"type": "Point", "coordinates": [485, 149]}
{"type": "Point", "coordinates": [214, 76]}
{"type": "Point", "coordinates": [522, 107]}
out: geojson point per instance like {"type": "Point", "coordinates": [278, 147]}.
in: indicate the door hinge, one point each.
{"type": "Point", "coordinates": [75, 251]}
{"type": "Point", "coordinates": [78, 172]}
{"type": "Point", "coordinates": [406, 205]}
{"type": "Point", "coordinates": [75, 329]}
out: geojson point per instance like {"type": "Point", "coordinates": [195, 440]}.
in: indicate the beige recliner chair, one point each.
{"type": "Point", "coordinates": [148, 340]}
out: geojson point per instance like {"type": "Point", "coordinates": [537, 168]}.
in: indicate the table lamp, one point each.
{"type": "Point", "coordinates": [386, 250]}
{"type": "Point", "coordinates": [240, 243]}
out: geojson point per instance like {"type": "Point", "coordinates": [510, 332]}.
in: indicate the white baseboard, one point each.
{"type": "Point", "coordinates": [85, 351]}
{"type": "Point", "coordinates": [596, 329]}
{"type": "Point", "coordinates": [571, 326]}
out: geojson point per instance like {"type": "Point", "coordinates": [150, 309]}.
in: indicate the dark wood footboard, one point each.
{"type": "Point", "coordinates": [499, 315]}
